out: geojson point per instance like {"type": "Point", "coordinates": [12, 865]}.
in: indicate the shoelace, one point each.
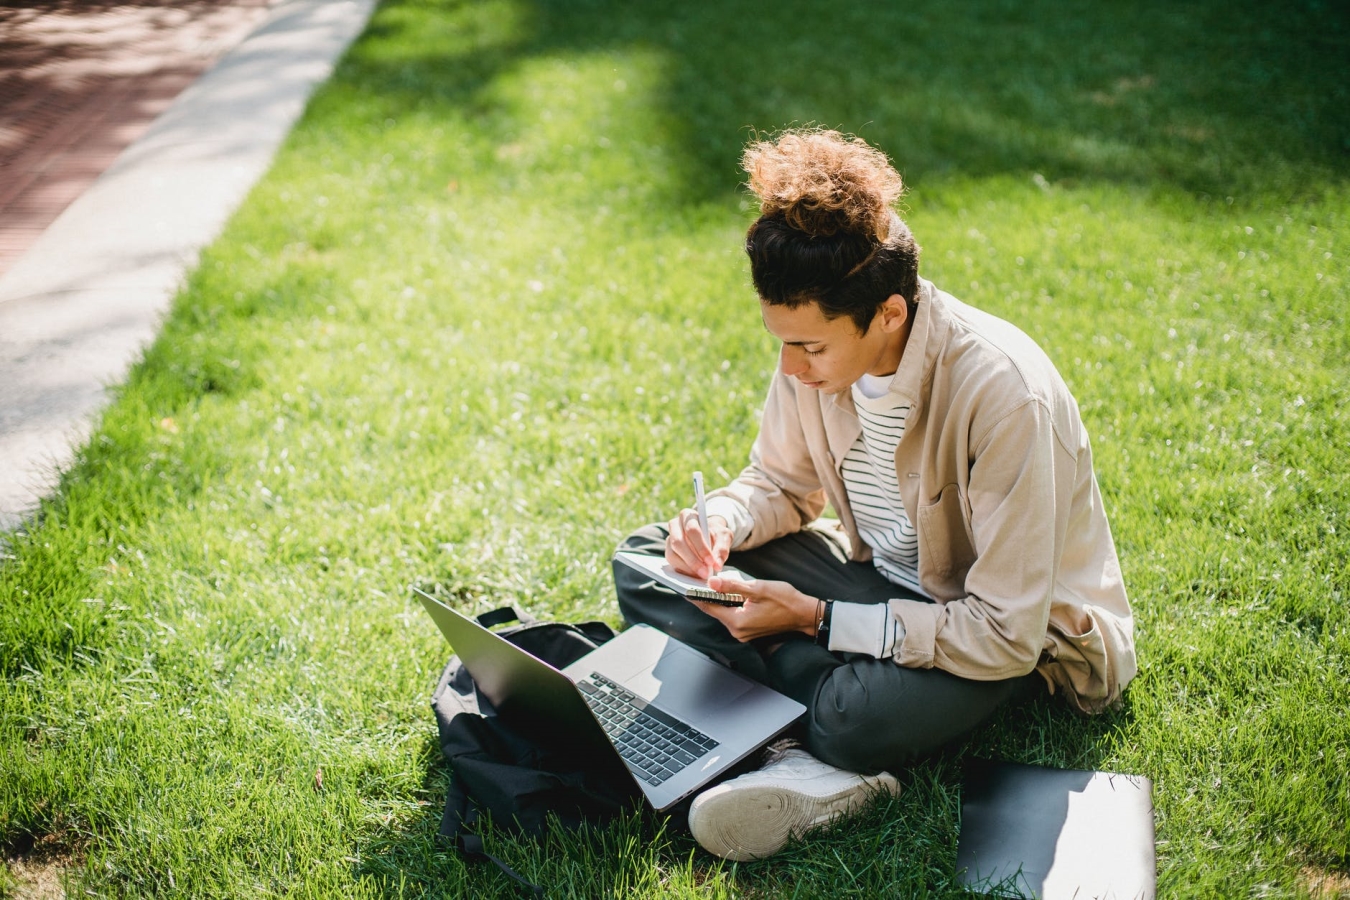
{"type": "Point", "coordinates": [778, 749]}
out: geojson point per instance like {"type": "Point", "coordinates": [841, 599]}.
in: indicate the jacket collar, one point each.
{"type": "Point", "coordinates": [925, 344]}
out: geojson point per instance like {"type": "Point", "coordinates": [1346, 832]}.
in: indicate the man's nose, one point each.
{"type": "Point", "coordinates": [791, 360]}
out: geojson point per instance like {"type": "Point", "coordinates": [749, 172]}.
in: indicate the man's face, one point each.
{"type": "Point", "coordinates": [829, 354]}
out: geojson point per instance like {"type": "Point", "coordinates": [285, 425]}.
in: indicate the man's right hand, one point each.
{"type": "Point", "coordinates": [691, 552]}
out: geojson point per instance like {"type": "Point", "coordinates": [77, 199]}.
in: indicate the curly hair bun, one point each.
{"type": "Point", "coordinates": [824, 183]}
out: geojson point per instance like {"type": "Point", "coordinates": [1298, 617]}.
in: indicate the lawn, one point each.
{"type": "Point", "coordinates": [488, 311]}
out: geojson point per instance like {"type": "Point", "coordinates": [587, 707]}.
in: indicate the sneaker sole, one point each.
{"type": "Point", "coordinates": [753, 823]}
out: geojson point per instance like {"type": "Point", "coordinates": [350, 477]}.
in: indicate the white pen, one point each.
{"type": "Point", "coordinates": [701, 504]}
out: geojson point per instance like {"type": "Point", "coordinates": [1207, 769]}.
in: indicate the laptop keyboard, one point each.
{"type": "Point", "coordinates": [654, 744]}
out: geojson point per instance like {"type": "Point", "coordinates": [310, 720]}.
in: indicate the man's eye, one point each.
{"type": "Point", "coordinates": [814, 352]}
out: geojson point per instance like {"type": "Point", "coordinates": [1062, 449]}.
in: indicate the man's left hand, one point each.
{"type": "Point", "coordinates": [771, 607]}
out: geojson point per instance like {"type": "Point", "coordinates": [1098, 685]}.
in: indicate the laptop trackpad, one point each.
{"type": "Point", "coordinates": [686, 684]}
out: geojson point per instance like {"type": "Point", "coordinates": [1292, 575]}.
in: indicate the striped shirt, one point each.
{"type": "Point", "coordinates": [873, 485]}
{"type": "Point", "coordinates": [873, 489]}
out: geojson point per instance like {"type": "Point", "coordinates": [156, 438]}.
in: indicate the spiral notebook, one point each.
{"type": "Point", "coordinates": [694, 588]}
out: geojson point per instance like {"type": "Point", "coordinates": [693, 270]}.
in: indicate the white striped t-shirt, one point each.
{"type": "Point", "coordinates": [873, 486]}
{"type": "Point", "coordinates": [879, 512]}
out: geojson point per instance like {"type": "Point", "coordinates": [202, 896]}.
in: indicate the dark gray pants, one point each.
{"type": "Point", "coordinates": [862, 714]}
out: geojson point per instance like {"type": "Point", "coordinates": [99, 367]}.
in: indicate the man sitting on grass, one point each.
{"type": "Point", "coordinates": [971, 565]}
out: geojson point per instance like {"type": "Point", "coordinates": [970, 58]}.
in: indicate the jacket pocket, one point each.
{"type": "Point", "coordinates": [944, 537]}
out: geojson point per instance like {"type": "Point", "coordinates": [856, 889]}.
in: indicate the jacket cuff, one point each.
{"type": "Point", "coordinates": [737, 516]}
{"type": "Point", "coordinates": [864, 628]}
{"type": "Point", "coordinates": [920, 621]}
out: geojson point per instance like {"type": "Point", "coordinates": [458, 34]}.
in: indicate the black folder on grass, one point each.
{"type": "Point", "coordinates": [1030, 831]}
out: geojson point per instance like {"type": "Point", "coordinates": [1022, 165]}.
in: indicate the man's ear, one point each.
{"type": "Point", "coordinates": [894, 313]}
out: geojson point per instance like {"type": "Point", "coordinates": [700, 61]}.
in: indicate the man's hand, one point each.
{"type": "Point", "coordinates": [691, 552]}
{"type": "Point", "coordinates": [771, 607]}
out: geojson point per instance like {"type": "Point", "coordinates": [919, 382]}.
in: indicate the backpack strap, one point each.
{"type": "Point", "coordinates": [456, 823]}
{"type": "Point", "coordinates": [503, 614]}
{"type": "Point", "coordinates": [455, 818]}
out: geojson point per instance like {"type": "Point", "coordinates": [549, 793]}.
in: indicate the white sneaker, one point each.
{"type": "Point", "coordinates": [755, 815]}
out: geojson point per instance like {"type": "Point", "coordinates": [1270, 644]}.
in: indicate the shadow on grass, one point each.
{"type": "Point", "coordinates": [1019, 733]}
{"type": "Point", "coordinates": [412, 851]}
{"type": "Point", "coordinates": [412, 858]}
{"type": "Point", "coordinates": [1218, 98]}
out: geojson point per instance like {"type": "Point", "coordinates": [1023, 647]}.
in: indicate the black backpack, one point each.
{"type": "Point", "coordinates": [521, 783]}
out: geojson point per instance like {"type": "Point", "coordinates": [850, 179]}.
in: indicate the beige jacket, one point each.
{"type": "Point", "coordinates": [995, 471]}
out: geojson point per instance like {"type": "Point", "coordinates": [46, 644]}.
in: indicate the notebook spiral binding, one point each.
{"type": "Point", "coordinates": [706, 595]}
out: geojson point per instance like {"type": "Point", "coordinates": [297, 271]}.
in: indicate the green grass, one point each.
{"type": "Point", "coordinates": [489, 309]}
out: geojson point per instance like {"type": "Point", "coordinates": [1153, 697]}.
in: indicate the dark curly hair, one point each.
{"type": "Point", "coordinates": [827, 233]}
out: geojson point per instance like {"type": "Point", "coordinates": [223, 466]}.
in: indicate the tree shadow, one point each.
{"type": "Point", "coordinates": [62, 58]}
{"type": "Point", "coordinates": [1209, 98]}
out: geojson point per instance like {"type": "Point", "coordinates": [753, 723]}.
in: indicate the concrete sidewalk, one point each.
{"type": "Point", "coordinates": [78, 308]}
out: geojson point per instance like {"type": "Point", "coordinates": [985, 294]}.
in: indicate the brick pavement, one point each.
{"type": "Point", "coordinates": [79, 81]}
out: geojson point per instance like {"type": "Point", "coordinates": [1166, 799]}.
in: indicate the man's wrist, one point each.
{"type": "Point", "coordinates": [825, 617]}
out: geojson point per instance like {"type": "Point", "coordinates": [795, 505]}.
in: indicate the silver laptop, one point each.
{"type": "Point", "coordinates": [644, 704]}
